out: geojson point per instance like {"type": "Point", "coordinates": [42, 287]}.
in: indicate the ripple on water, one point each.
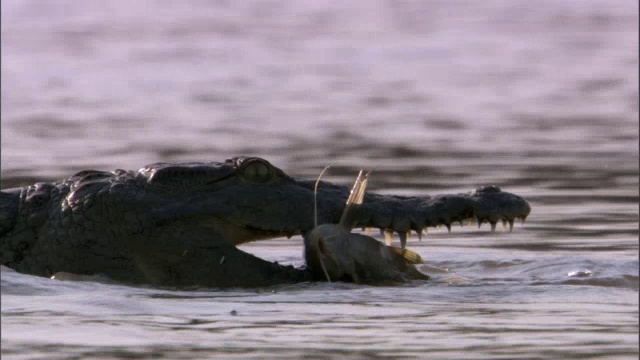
{"type": "Point", "coordinates": [444, 97]}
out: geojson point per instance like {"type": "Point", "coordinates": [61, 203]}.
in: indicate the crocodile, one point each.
{"type": "Point", "coordinates": [178, 225]}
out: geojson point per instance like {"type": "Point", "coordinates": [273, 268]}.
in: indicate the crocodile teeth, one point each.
{"type": "Point", "coordinates": [448, 227]}
{"type": "Point", "coordinates": [388, 236]}
{"type": "Point", "coordinates": [493, 226]}
{"type": "Point", "coordinates": [403, 239]}
{"type": "Point", "coordinates": [507, 221]}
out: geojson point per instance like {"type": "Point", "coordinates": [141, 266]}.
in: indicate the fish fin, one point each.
{"type": "Point", "coordinates": [410, 256]}
{"type": "Point", "coordinates": [355, 198]}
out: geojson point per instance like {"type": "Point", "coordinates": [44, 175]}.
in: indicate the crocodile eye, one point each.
{"type": "Point", "coordinates": [257, 170]}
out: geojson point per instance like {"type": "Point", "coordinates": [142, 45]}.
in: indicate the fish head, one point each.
{"type": "Point", "coordinates": [327, 253]}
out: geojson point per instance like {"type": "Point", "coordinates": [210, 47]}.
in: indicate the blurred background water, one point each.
{"type": "Point", "coordinates": [540, 98]}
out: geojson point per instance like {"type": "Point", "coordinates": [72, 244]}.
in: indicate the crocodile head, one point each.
{"type": "Point", "coordinates": [243, 198]}
{"type": "Point", "coordinates": [247, 198]}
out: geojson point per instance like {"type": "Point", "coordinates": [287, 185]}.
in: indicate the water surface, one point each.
{"type": "Point", "coordinates": [439, 96]}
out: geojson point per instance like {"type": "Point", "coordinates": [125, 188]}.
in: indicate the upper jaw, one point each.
{"type": "Point", "coordinates": [247, 212]}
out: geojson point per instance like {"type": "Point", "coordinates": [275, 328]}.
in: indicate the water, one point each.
{"type": "Point", "coordinates": [540, 99]}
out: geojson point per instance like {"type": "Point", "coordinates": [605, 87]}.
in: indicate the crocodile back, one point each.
{"type": "Point", "coordinates": [9, 199]}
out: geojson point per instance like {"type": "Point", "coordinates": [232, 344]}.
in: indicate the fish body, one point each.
{"type": "Point", "coordinates": [334, 253]}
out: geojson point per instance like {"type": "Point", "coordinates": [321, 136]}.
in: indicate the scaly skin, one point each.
{"type": "Point", "coordinates": [179, 224]}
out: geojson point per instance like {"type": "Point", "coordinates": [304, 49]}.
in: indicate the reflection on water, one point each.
{"type": "Point", "coordinates": [435, 96]}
